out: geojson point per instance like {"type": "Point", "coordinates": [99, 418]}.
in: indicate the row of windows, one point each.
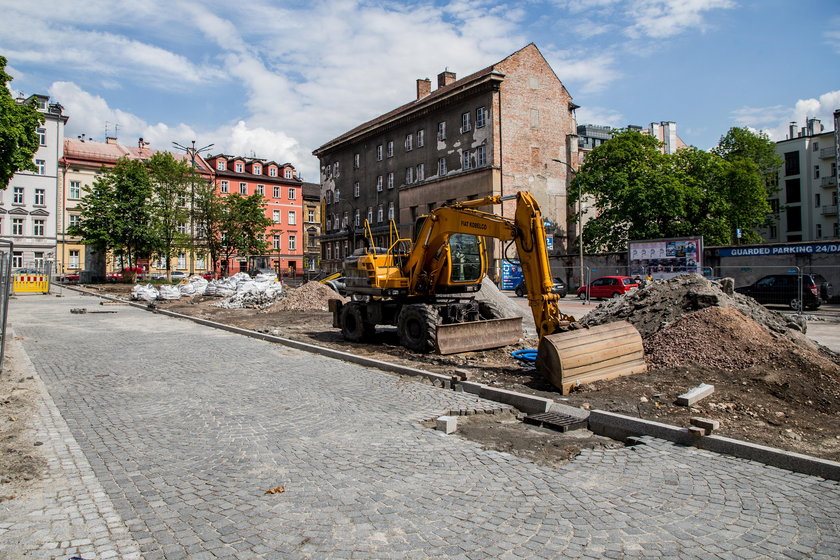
{"type": "Point", "coordinates": [336, 222]}
{"type": "Point", "coordinates": [291, 217]}
{"type": "Point", "coordinates": [18, 226]}
{"type": "Point", "coordinates": [224, 188]}
{"type": "Point", "coordinates": [19, 196]}
{"type": "Point", "coordinates": [256, 169]}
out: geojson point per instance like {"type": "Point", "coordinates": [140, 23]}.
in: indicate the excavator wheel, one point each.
{"type": "Point", "coordinates": [354, 327]}
{"type": "Point", "coordinates": [417, 325]}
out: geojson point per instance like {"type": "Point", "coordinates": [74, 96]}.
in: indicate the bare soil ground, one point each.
{"type": "Point", "coordinates": [772, 385]}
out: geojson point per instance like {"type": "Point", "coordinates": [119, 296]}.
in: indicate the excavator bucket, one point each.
{"type": "Point", "coordinates": [478, 335]}
{"type": "Point", "coordinates": [596, 353]}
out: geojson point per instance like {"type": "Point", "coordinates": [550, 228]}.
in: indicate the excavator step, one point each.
{"type": "Point", "coordinates": [478, 335]}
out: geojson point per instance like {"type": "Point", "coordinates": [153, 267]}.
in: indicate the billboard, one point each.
{"type": "Point", "coordinates": [665, 258]}
{"type": "Point", "coordinates": [511, 275]}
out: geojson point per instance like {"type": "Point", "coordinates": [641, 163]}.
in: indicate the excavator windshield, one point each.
{"type": "Point", "coordinates": [465, 250]}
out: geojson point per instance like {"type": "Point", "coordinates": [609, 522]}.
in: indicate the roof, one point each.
{"type": "Point", "coordinates": [109, 152]}
{"type": "Point", "coordinates": [311, 190]}
{"type": "Point", "coordinates": [491, 72]}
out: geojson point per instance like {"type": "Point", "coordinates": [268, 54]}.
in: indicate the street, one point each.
{"type": "Point", "coordinates": [164, 436]}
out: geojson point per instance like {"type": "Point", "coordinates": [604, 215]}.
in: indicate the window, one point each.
{"type": "Point", "coordinates": [275, 216]}
{"type": "Point", "coordinates": [409, 175]}
{"type": "Point", "coordinates": [288, 174]}
{"type": "Point", "coordinates": [774, 205]}
{"type": "Point", "coordinates": [310, 215]}
{"type": "Point", "coordinates": [42, 166]}
{"type": "Point", "coordinates": [75, 189]}
{"type": "Point", "coordinates": [38, 227]}
{"type": "Point", "coordinates": [817, 200]}
{"type": "Point", "coordinates": [243, 188]}
{"type": "Point", "coordinates": [794, 218]}
{"type": "Point", "coordinates": [466, 125]}
{"type": "Point", "coordinates": [481, 156]}
{"type": "Point", "coordinates": [239, 167]}
{"type": "Point", "coordinates": [17, 196]}
{"type": "Point", "coordinates": [441, 166]}
{"type": "Point", "coordinates": [257, 169]}
{"type": "Point", "coordinates": [480, 117]}
{"type": "Point", "coordinates": [421, 138]}
{"type": "Point", "coordinates": [292, 218]}
{"type": "Point", "coordinates": [221, 165]}
{"type": "Point", "coordinates": [535, 118]}
{"type": "Point", "coordinates": [337, 195]}
{"type": "Point", "coordinates": [379, 152]}
{"type": "Point", "coordinates": [409, 142]}
{"type": "Point", "coordinates": [379, 213]}
{"type": "Point", "coordinates": [421, 171]}
{"type": "Point", "coordinates": [328, 197]}
{"type": "Point", "coordinates": [74, 258]}
{"type": "Point", "coordinates": [390, 152]}
{"type": "Point", "coordinates": [390, 210]}
{"type": "Point", "coordinates": [468, 160]}
{"type": "Point", "coordinates": [792, 191]}
{"type": "Point", "coordinates": [329, 251]}
{"type": "Point", "coordinates": [17, 259]}
{"type": "Point", "coordinates": [816, 172]}
{"type": "Point", "coordinates": [819, 231]}
{"type": "Point", "coordinates": [335, 169]}
{"type": "Point", "coordinates": [379, 183]}
{"type": "Point", "coordinates": [276, 242]}
{"type": "Point", "coordinates": [792, 163]}
{"type": "Point", "coordinates": [272, 171]}
{"type": "Point", "coordinates": [39, 197]}
{"type": "Point", "coordinates": [261, 190]}
{"type": "Point", "coordinates": [224, 187]}
{"type": "Point", "coordinates": [356, 161]}
{"type": "Point", "coordinates": [182, 260]}
{"type": "Point", "coordinates": [329, 223]}
{"type": "Point", "coordinates": [74, 220]}
{"type": "Point", "coordinates": [356, 190]}
{"type": "Point", "coordinates": [357, 218]}
{"type": "Point", "coordinates": [292, 194]}
{"type": "Point", "coordinates": [42, 136]}
{"type": "Point", "coordinates": [369, 216]}
{"type": "Point", "coordinates": [441, 132]}
{"type": "Point", "coordinates": [391, 180]}
{"type": "Point", "coordinates": [182, 227]}
{"type": "Point", "coordinates": [276, 192]}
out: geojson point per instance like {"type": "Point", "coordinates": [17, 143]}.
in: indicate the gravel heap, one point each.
{"type": "Point", "coordinates": [312, 296]}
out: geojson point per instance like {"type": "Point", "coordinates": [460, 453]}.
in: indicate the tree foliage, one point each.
{"type": "Point", "coordinates": [170, 180]}
{"type": "Point", "coordinates": [242, 225]}
{"type": "Point", "coordinates": [18, 135]}
{"type": "Point", "coordinates": [641, 193]}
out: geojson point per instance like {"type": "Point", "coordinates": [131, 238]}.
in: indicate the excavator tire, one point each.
{"type": "Point", "coordinates": [354, 326]}
{"type": "Point", "coordinates": [417, 325]}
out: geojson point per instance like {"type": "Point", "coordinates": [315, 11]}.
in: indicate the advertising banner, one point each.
{"type": "Point", "coordinates": [511, 275]}
{"type": "Point", "coordinates": [665, 258]}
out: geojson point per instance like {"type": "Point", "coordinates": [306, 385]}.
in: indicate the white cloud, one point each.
{"type": "Point", "coordinates": [665, 18]}
{"type": "Point", "coordinates": [775, 120]}
{"type": "Point", "coordinates": [600, 116]}
{"type": "Point", "coordinates": [832, 35]}
{"type": "Point", "coordinates": [590, 74]}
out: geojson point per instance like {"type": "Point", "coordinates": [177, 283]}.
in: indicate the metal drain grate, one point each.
{"type": "Point", "coordinates": [556, 421]}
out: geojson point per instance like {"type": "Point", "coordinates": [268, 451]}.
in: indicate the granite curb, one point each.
{"type": "Point", "coordinates": [609, 424]}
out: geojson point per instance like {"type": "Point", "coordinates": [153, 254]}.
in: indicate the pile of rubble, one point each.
{"type": "Point", "coordinates": [312, 296]}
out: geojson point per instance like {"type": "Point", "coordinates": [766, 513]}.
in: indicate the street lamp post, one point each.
{"type": "Point", "coordinates": [192, 152]}
{"type": "Point", "coordinates": [580, 219]}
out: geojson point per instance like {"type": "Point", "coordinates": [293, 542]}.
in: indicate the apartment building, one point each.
{"type": "Point", "coordinates": [805, 205]}
{"type": "Point", "coordinates": [312, 225]}
{"type": "Point", "coordinates": [591, 136]}
{"type": "Point", "coordinates": [494, 132]}
{"type": "Point", "coordinates": [282, 191]}
{"type": "Point", "coordinates": [28, 215]}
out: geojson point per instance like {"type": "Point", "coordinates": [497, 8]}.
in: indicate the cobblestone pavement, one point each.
{"type": "Point", "coordinates": [184, 428]}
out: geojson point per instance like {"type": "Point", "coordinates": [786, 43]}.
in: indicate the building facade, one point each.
{"type": "Point", "coordinates": [494, 132]}
{"type": "Point", "coordinates": [805, 205]}
{"type": "Point", "coordinates": [28, 213]}
{"type": "Point", "coordinates": [591, 136]}
{"type": "Point", "coordinates": [282, 191]}
{"type": "Point", "coordinates": [312, 227]}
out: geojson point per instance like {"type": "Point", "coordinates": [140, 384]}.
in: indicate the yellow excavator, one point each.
{"type": "Point", "coordinates": [426, 288]}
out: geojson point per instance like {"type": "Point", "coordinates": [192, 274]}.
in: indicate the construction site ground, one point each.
{"type": "Point", "coordinates": [767, 389]}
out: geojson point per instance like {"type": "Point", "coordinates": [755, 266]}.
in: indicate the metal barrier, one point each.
{"type": "Point", "coordinates": [33, 280]}
{"type": "Point", "coordinates": [6, 251]}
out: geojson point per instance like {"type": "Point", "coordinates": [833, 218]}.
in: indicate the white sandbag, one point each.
{"type": "Point", "coordinates": [144, 293]}
{"type": "Point", "coordinates": [169, 292]}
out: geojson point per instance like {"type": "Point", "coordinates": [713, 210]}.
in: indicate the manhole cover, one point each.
{"type": "Point", "coordinates": [556, 421]}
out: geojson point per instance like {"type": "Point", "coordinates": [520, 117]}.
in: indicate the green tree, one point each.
{"type": "Point", "coordinates": [18, 135]}
{"type": "Point", "coordinates": [208, 214]}
{"type": "Point", "coordinates": [242, 226]}
{"type": "Point", "coordinates": [741, 143]}
{"type": "Point", "coordinates": [170, 182]}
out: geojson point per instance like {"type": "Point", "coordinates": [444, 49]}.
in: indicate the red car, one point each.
{"type": "Point", "coordinates": [608, 287]}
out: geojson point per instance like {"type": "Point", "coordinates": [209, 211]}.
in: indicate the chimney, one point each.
{"type": "Point", "coordinates": [110, 140]}
{"type": "Point", "coordinates": [445, 78]}
{"type": "Point", "coordinates": [424, 87]}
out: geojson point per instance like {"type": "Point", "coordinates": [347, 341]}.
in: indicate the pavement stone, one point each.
{"type": "Point", "coordinates": [162, 437]}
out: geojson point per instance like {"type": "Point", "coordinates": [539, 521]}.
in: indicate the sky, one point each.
{"type": "Point", "coordinates": [277, 79]}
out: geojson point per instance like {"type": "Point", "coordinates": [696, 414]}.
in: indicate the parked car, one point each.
{"type": "Point", "coordinates": [264, 271]}
{"type": "Point", "coordinates": [208, 275]}
{"type": "Point", "coordinates": [113, 277]}
{"type": "Point", "coordinates": [69, 278]}
{"type": "Point", "coordinates": [781, 289]}
{"type": "Point", "coordinates": [608, 287]}
{"type": "Point", "coordinates": [559, 287]}
{"type": "Point", "coordinates": [178, 275]}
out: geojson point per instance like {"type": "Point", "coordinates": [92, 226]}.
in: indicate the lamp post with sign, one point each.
{"type": "Point", "coordinates": [580, 218]}
{"type": "Point", "coordinates": [192, 152]}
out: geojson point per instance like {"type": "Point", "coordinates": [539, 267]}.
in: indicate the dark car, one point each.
{"type": "Point", "coordinates": [559, 287]}
{"type": "Point", "coordinates": [608, 287]}
{"type": "Point", "coordinates": [782, 289]}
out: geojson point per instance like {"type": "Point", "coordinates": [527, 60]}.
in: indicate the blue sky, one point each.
{"type": "Point", "coordinates": [278, 79]}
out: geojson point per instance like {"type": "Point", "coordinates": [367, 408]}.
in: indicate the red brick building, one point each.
{"type": "Point", "coordinates": [283, 193]}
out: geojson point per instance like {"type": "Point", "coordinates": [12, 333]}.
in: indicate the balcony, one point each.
{"type": "Point", "coordinates": [828, 182]}
{"type": "Point", "coordinates": [827, 153]}
{"type": "Point", "coordinates": [830, 210]}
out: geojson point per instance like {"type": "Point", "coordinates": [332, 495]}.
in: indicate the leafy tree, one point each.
{"type": "Point", "coordinates": [170, 181]}
{"type": "Point", "coordinates": [741, 143]}
{"type": "Point", "coordinates": [208, 213]}
{"type": "Point", "coordinates": [242, 226]}
{"type": "Point", "coordinates": [116, 213]}
{"type": "Point", "coordinates": [18, 136]}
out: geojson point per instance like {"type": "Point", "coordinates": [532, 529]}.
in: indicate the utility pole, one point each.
{"type": "Point", "coordinates": [192, 152]}
{"type": "Point", "coordinates": [580, 219]}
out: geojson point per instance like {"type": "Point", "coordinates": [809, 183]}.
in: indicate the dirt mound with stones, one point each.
{"type": "Point", "coordinates": [312, 296]}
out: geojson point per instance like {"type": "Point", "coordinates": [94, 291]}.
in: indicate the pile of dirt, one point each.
{"type": "Point", "coordinates": [312, 296]}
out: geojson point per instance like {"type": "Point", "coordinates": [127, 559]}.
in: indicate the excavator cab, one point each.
{"type": "Point", "coordinates": [465, 263]}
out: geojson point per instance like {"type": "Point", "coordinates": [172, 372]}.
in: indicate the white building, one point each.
{"type": "Point", "coordinates": [28, 205]}
{"type": "Point", "coordinates": [805, 206]}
